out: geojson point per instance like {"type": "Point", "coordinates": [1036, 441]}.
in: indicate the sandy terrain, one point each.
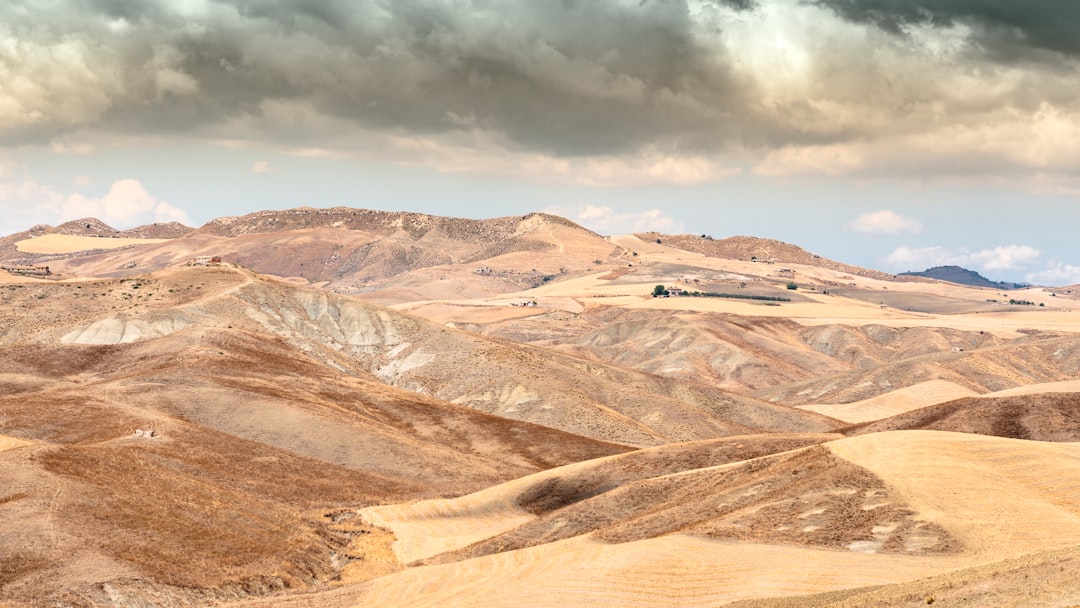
{"type": "Point", "coordinates": [66, 243]}
{"type": "Point", "coordinates": [174, 435]}
{"type": "Point", "coordinates": [992, 493]}
{"type": "Point", "coordinates": [943, 477]}
{"type": "Point", "coordinates": [7, 443]}
{"type": "Point", "coordinates": [669, 571]}
{"type": "Point", "coordinates": [1065, 386]}
{"type": "Point", "coordinates": [895, 402]}
{"type": "Point", "coordinates": [1049, 416]}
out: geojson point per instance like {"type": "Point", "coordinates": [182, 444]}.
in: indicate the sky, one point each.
{"type": "Point", "coordinates": [890, 134]}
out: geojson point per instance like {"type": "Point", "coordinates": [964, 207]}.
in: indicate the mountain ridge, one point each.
{"type": "Point", "coordinates": [356, 414]}
{"type": "Point", "coordinates": [963, 276]}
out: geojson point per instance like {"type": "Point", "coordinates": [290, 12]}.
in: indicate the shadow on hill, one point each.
{"type": "Point", "coordinates": [1040, 417]}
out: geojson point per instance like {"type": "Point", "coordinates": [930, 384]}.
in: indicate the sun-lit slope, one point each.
{"type": "Point", "coordinates": [212, 462]}
{"type": "Point", "coordinates": [7, 443]}
{"type": "Point", "coordinates": [1044, 578]}
{"type": "Point", "coordinates": [978, 499]}
{"type": "Point", "coordinates": [393, 256]}
{"type": "Point", "coordinates": [753, 489]}
{"type": "Point", "coordinates": [540, 249]}
{"type": "Point", "coordinates": [761, 250]}
{"type": "Point", "coordinates": [196, 514]}
{"type": "Point", "coordinates": [259, 388]}
{"type": "Point", "coordinates": [885, 405]}
{"type": "Point", "coordinates": [644, 550]}
{"type": "Point", "coordinates": [428, 528]}
{"type": "Point", "coordinates": [749, 353]}
{"type": "Point", "coordinates": [999, 497]}
{"type": "Point", "coordinates": [1064, 386]}
{"type": "Point", "coordinates": [522, 382]}
{"type": "Point", "coordinates": [913, 509]}
{"type": "Point", "coordinates": [807, 497]}
{"type": "Point", "coordinates": [63, 243]}
{"type": "Point", "coordinates": [732, 352]}
{"type": "Point", "coordinates": [1042, 416]}
{"type": "Point", "coordinates": [43, 243]}
{"type": "Point", "coordinates": [512, 381]}
{"type": "Point", "coordinates": [1030, 360]}
{"type": "Point", "coordinates": [367, 341]}
{"type": "Point", "coordinates": [669, 571]}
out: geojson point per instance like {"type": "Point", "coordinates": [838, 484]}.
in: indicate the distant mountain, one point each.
{"type": "Point", "coordinates": [757, 249]}
{"type": "Point", "coordinates": [963, 276]}
{"type": "Point", "coordinates": [390, 257]}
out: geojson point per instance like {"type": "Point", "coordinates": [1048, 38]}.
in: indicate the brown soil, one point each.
{"type": "Point", "coordinates": [805, 497]}
{"type": "Point", "coordinates": [1040, 417]}
{"type": "Point", "coordinates": [187, 436]}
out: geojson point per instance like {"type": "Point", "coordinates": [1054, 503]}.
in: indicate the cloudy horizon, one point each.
{"type": "Point", "coordinates": [885, 133]}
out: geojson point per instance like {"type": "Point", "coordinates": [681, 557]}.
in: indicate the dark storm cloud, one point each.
{"type": "Point", "coordinates": [563, 77]}
{"type": "Point", "coordinates": [1004, 28]}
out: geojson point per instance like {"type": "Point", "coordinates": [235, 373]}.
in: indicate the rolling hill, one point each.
{"type": "Point", "coordinates": [365, 408]}
{"type": "Point", "coordinates": [963, 276]}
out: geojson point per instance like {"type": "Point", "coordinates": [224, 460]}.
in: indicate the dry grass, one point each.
{"type": "Point", "coordinates": [66, 243]}
{"type": "Point", "coordinates": [293, 441]}
{"type": "Point", "coordinates": [1041, 417]}
{"type": "Point", "coordinates": [807, 497]}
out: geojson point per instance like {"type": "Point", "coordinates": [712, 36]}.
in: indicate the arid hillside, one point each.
{"type": "Point", "coordinates": [89, 233]}
{"type": "Point", "coordinates": [789, 521]}
{"type": "Point", "coordinates": [364, 408]}
{"type": "Point", "coordinates": [514, 381]}
{"type": "Point", "coordinates": [172, 454]}
{"type": "Point", "coordinates": [1038, 417]}
{"type": "Point", "coordinates": [362, 251]}
{"type": "Point", "coordinates": [763, 251]}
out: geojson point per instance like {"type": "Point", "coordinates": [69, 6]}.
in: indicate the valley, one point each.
{"type": "Point", "coordinates": [367, 408]}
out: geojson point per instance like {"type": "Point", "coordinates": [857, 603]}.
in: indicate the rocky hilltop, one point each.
{"type": "Point", "coordinates": [416, 225]}
{"type": "Point", "coordinates": [396, 256]}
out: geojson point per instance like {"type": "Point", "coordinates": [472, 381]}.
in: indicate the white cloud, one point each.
{"type": "Point", "coordinates": [883, 222]}
{"type": "Point", "coordinates": [263, 166]}
{"type": "Point", "coordinates": [1008, 257]}
{"type": "Point", "coordinates": [605, 220]}
{"type": "Point", "coordinates": [1058, 274]}
{"type": "Point", "coordinates": [126, 204]}
{"type": "Point", "coordinates": [24, 201]}
{"type": "Point", "coordinates": [907, 258]}
{"type": "Point", "coordinates": [1002, 257]}
{"type": "Point", "coordinates": [63, 147]}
